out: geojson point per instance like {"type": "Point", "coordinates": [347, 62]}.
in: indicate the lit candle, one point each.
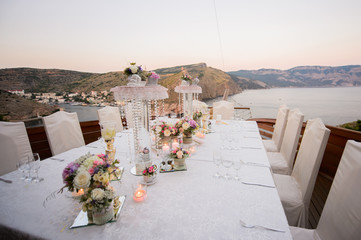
{"type": "Point", "coordinates": [200, 135]}
{"type": "Point", "coordinates": [175, 144]}
{"type": "Point", "coordinates": [139, 194]}
{"type": "Point", "coordinates": [81, 192]}
{"type": "Point", "coordinates": [192, 149]}
{"type": "Point", "coordinates": [165, 148]}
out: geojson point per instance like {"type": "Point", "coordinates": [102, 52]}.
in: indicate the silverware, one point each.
{"type": "Point", "coordinates": [6, 181]}
{"type": "Point", "coordinates": [259, 226]}
{"type": "Point", "coordinates": [252, 147]}
{"type": "Point", "coordinates": [91, 146]}
{"type": "Point", "coordinates": [258, 184]}
{"type": "Point", "coordinates": [57, 159]}
{"type": "Point", "coordinates": [256, 164]}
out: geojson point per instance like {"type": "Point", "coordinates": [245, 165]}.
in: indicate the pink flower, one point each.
{"type": "Point", "coordinates": [91, 171]}
{"type": "Point", "coordinates": [145, 171]}
{"type": "Point", "coordinates": [150, 169]}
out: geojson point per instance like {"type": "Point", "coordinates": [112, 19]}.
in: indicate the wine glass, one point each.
{"type": "Point", "coordinates": [227, 162]}
{"type": "Point", "coordinates": [36, 166]}
{"type": "Point", "coordinates": [237, 164]}
{"type": "Point", "coordinates": [21, 166]}
{"type": "Point", "coordinates": [28, 167]}
{"type": "Point", "coordinates": [217, 159]}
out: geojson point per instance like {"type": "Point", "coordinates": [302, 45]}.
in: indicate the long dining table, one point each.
{"type": "Point", "coordinates": [190, 204]}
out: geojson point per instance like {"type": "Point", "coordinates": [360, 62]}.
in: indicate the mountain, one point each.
{"type": "Point", "coordinates": [39, 80]}
{"type": "Point", "coordinates": [305, 76]}
{"type": "Point", "coordinates": [212, 81]}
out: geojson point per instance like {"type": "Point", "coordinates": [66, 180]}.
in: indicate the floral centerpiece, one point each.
{"type": "Point", "coordinates": [133, 69]}
{"type": "Point", "coordinates": [186, 79]}
{"type": "Point", "coordinates": [197, 115]}
{"type": "Point", "coordinates": [149, 173]}
{"type": "Point", "coordinates": [165, 130]}
{"type": "Point", "coordinates": [152, 78]}
{"type": "Point", "coordinates": [92, 173]}
{"type": "Point", "coordinates": [188, 128]}
{"type": "Point", "coordinates": [179, 155]}
{"type": "Point", "coordinates": [135, 75]}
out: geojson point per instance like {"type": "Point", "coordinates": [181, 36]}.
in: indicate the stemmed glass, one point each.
{"type": "Point", "coordinates": [217, 159]}
{"type": "Point", "coordinates": [21, 166]}
{"type": "Point", "coordinates": [237, 164]}
{"type": "Point", "coordinates": [28, 167]}
{"type": "Point", "coordinates": [36, 166]}
{"type": "Point", "coordinates": [227, 162]}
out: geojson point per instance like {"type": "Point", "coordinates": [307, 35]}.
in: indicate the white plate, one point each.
{"type": "Point", "coordinates": [134, 172]}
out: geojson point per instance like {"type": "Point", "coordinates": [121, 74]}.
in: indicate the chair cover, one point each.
{"type": "Point", "coordinates": [63, 131]}
{"type": "Point", "coordinates": [274, 144]}
{"type": "Point", "coordinates": [14, 145]}
{"type": "Point", "coordinates": [200, 106]}
{"type": "Point", "coordinates": [296, 190]}
{"type": "Point", "coordinates": [223, 108]}
{"type": "Point", "coordinates": [341, 215]}
{"type": "Point", "coordinates": [282, 162]}
{"type": "Point", "coordinates": [111, 114]}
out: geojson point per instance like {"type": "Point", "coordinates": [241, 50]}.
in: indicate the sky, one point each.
{"type": "Point", "coordinates": [103, 36]}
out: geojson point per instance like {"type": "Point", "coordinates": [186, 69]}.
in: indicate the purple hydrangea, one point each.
{"type": "Point", "coordinates": [192, 123]}
{"type": "Point", "coordinates": [70, 169]}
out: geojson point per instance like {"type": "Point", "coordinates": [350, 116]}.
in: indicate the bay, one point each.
{"type": "Point", "coordinates": [333, 105]}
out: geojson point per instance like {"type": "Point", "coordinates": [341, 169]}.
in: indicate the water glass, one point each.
{"type": "Point", "coordinates": [28, 168]}
{"type": "Point", "coordinates": [237, 164]}
{"type": "Point", "coordinates": [21, 166]}
{"type": "Point", "coordinates": [217, 159]}
{"type": "Point", "coordinates": [36, 167]}
{"type": "Point", "coordinates": [227, 162]}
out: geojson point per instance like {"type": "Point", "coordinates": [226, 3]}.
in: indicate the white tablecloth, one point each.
{"type": "Point", "coordinates": [188, 204]}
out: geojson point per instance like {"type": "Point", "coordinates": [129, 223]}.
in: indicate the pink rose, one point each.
{"type": "Point", "coordinates": [91, 171]}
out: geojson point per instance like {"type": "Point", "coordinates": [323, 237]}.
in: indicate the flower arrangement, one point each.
{"type": "Point", "coordinates": [133, 69]}
{"type": "Point", "coordinates": [186, 77]}
{"type": "Point", "coordinates": [150, 171]}
{"type": "Point", "coordinates": [197, 115]}
{"type": "Point", "coordinates": [179, 153]}
{"type": "Point", "coordinates": [92, 173]}
{"type": "Point", "coordinates": [153, 75]}
{"type": "Point", "coordinates": [186, 126]}
{"type": "Point", "coordinates": [165, 130]}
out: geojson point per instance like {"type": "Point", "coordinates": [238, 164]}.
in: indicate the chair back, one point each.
{"type": "Point", "coordinates": [14, 145]}
{"type": "Point", "coordinates": [280, 126]}
{"type": "Point", "coordinates": [341, 215]}
{"type": "Point", "coordinates": [291, 136]}
{"type": "Point", "coordinates": [63, 131]}
{"type": "Point", "coordinates": [223, 108]}
{"type": "Point", "coordinates": [108, 113]}
{"type": "Point", "coordinates": [309, 158]}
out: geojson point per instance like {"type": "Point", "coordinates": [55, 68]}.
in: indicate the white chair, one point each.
{"type": "Point", "coordinates": [111, 114]}
{"type": "Point", "coordinates": [223, 108]}
{"type": "Point", "coordinates": [274, 144]}
{"type": "Point", "coordinates": [14, 145]}
{"type": "Point", "coordinates": [341, 215]}
{"type": "Point", "coordinates": [63, 131]}
{"type": "Point", "coordinates": [282, 162]}
{"type": "Point", "coordinates": [295, 191]}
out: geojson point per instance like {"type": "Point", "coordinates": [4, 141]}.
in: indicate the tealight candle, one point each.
{"type": "Point", "coordinates": [165, 148]}
{"type": "Point", "coordinates": [81, 191]}
{"type": "Point", "coordinates": [200, 135]}
{"type": "Point", "coordinates": [175, 144]}
{"type": "Point", "coordinates": [139, 194]}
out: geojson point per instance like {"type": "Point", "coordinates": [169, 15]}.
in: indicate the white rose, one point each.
{"type": "Point", "coordinates": [97, 194]}
{"type": "Point", "coordinates": [179, 154]}
{"type": "Point", "coordinates": [134, 69]}
{"type": "Point", "coordinates": [158, 129]}
{"type": "Point", "coordinates": [82, 180]}
{"type": "Point", "coordinates": [167, 133]}
{"type": "Point", "coordinates": [185, 126]}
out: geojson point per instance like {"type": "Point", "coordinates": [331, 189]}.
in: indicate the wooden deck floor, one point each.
{"type": "Point", "coordinates": [319, 196]}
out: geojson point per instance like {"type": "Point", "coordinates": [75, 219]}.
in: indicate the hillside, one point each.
{"type": "Point", "coordinates": [305, 76]}
{"type": "Point", "coordinates": [39, 80]}
{"type": "Point", "coordinates": [14, 107]}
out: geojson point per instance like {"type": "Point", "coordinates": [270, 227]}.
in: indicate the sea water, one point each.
{"type": "Point", "coordinates": [333, 105]}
